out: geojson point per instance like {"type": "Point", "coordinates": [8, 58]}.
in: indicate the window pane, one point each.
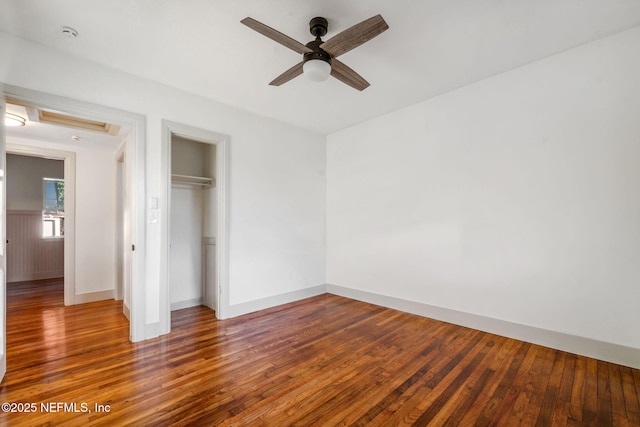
{"type": "Point", "coordinates": [53, 195]}
{"type": "Point", "coordinates": [53, 209]}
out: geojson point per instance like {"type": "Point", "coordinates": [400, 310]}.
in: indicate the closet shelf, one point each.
{"type": "Point", "coordinates": [193, 180]}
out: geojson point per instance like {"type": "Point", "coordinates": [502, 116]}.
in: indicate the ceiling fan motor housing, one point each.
{"type": "Point", "coordinates": [316, 53]}
{"type": "Point", "coordinates": [318, 26]}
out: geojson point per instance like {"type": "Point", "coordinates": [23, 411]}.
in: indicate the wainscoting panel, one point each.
{"type": "Point", "coordinates": [29, 256]}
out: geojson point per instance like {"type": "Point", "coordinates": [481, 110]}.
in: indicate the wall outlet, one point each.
{"type": "Point", "coordinates": [153, 216]}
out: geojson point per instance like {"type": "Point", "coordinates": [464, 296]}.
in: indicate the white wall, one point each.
{"type": "Point", "coordinates": [192, 158]}
{"type": "Point", "coordinates": [516, 198]}
{"type": "Point", "coordinates": [278, 227]}
{"type": "Point", "coordinates": [277, 183]}
{"type": "Point", "coordinates": [95, 209]}
{"type": "Point", "coordinates": [185, 281]}
{"type": "Point", "coordinates": [24, 180]}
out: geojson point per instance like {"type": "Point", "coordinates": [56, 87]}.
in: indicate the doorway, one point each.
{"type": "Point", "coordinates": [135, 125]}
{"type": "Point", "coordinates": [67, 245]}
{"type": "Point", "coordinates": [35, 219]}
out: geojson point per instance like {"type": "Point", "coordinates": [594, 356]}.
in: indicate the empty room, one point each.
{"type": "Point", "coordinates": [320, 213]}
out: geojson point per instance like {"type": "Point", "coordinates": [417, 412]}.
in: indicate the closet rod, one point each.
{"type": "Point", "coordinates": [193, 180]}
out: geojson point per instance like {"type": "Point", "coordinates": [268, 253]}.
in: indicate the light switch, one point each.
{"type": "Point", "coordinates": [153, 203]}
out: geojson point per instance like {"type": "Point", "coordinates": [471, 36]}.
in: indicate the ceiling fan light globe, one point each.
{"type": "Point", "coordinates": [316, 70]}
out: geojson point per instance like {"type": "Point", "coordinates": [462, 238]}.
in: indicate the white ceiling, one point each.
{"type": "Point", "coordinates": [431, 47]}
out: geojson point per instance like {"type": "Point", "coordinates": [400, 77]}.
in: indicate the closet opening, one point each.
{"type": "Point", "coordinates": [193, 224]}
{"type": "Point", "coordinates": [192, 212]}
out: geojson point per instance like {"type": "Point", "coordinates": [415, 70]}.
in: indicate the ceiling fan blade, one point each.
{"type": "Point", "coordinates": [346, 75]}
{"type": "Point", "coordinates": [291, 73]}
{"type": "Point", "coordinates": [354, 36]}
{"type": "Point", "coordinates": [275, 35]}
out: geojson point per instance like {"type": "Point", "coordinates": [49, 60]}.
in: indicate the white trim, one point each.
{"type": "Point", "coordinates": [275, 300]}
{"type": "Point", "coordinates": [614, 353]}
{"type": "Point", "coordinates": [179, 305]}
{"type": "Point", "coordinates": [136, 123]}
{"type": "Point", "coordinates": [222, 239]}
{"type": "Point", "coordinates": [151, 330]}
{"type": "Point", "coordinates": [221, 142]}
{"type": "Point", "coordinates": [94, 296]}
{"type": "Point", "coordinates": [69, 159]}
{"type": "Point", "coordinates": [3, 246]}
{"type": "Point", "coordinates": [123, 217]}
{"type": "Point", "coordinates": [126, 311]}
{"type": "Point", "coordinates": [119, 159]}
{"type": "Point", "coordinates": [70, 228]}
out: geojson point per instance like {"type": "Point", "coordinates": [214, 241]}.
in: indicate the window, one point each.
{"type": "Point", "coordinates": [53, 209]}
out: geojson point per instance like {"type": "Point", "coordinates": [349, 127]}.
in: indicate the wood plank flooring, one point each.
{"type": "Point", "coordinates": [323, 361]}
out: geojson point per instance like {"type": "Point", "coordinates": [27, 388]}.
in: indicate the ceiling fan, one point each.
{"type": "Point", "coordinates": [319, 57]}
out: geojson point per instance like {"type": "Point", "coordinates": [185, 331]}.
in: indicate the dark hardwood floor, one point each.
{"type": "Point", "coordinates": [323, 361]}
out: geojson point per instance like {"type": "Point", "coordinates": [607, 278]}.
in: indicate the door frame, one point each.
{"type": "Point", "coordinates": [137, 137]}
{"type": "Point", "coordinates": [122, 215]}
{"type": "Point", "coordinates": [222, 143]}
{"type": "Point", "coordinates": [3, 245]}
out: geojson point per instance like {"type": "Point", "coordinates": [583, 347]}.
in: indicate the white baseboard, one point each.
{"type": "Point", "coordinates": [273, 301]}
{"type": "Point", "coordinates": [609, 352]}
{"type": "Point", "coordinates": [93, 296]}
{"type": "Point", "coordinates": [126, 311]}
{"type": "Point", "coordinates": [179, 305]}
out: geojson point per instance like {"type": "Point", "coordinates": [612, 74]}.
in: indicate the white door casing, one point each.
{"type": "Point", "coordinates": [124, 238]}
{"type": "Point", "coordinates": [3, 240]}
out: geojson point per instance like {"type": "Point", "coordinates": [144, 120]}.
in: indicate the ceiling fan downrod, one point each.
{"type": "Point", "coordinates": [318, 28]}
